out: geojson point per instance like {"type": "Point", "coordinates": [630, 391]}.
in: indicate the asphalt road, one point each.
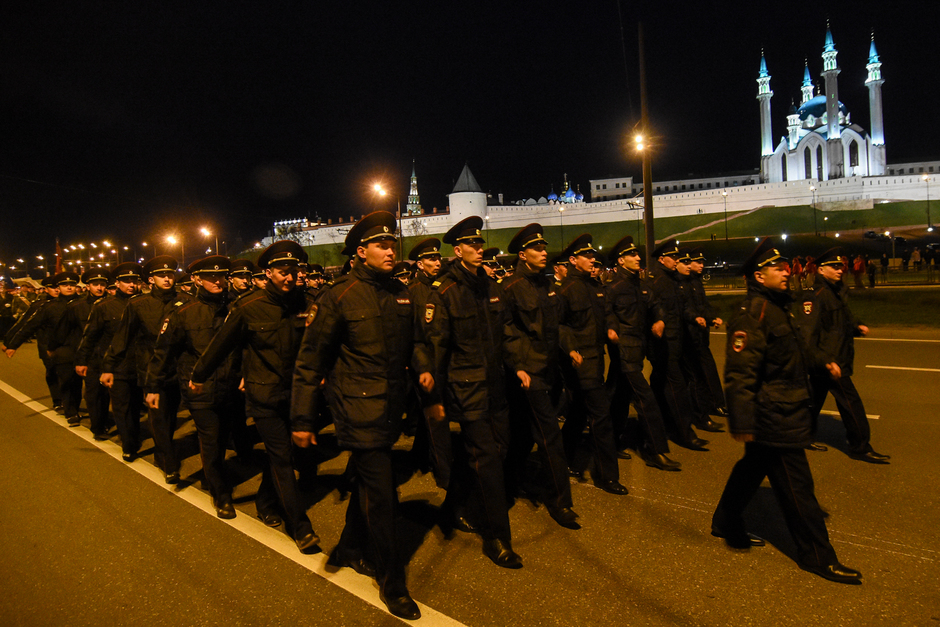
{"type": "Point", "coordinates": [89, 540]}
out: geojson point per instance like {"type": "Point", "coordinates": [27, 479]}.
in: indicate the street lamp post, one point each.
{"type": "Point", "coordinates": [172, 241]}
{"type": "Point", "coordinates": [561, 223]}
{"type": "Point", "coordinates": [724, 194]}
{"type": "Point", "coordinates": [812, 188]}
{"type": "Point", "coordinates": [382, 192]}
{"type": "Point", "coordinates": [208, 233]}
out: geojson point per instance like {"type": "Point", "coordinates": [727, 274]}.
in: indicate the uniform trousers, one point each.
{"type": "Point", "coordinates": [370, 529]}
{"type": "Point", "coordinates": [70, 387]}
{"type": "Point", "coordinates": [52, 380]}
{"type": "Point", "coordinates": [792, 483]}
{"type": "Point", "coordinates": [163, 426]}
{"type": "Point", "coordinates": [591, 407]}
{"type": "Point", "coordinates": [97, 399]}
{"type": "Point", "coordinates": [633, 387]}
{"type": "Point", "coordinates": [278, 483]}
{"type": "Point", "coordinates": [671, 389]}
{"type": "Point", "coordinates": [542, 404]}
{"type": "Point", "coordinates": [478, 484]}
{"type": "Point", "coordinates": [851, 409]}
{"type": "Point", "coordinates": [701, 373]}
{"type": "Point", "coordinates": [212, 427]}
{"type": "Point", "coordinates": [126, 401]}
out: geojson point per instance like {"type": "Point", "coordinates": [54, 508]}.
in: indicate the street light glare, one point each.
{"type": "Point", "coordinates": [205, 231]}
{"type": "Point", "coordinates": [170, 239]}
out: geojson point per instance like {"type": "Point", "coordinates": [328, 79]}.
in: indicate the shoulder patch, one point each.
{"type": "Point", "coordinates": [808, 307]}
{"type": "Point", "coordinates": [739, 341]}
{"type": "Point", "coordinates": [166, 323]}
{"type": "Point", "coordinates": [429, 313]}
{"type": "Point", "coordinates": [494, 299]}
{"type": "Point", "coordinates": [311, 314]}
{"type": "Point", "coordinates": [436, 284]}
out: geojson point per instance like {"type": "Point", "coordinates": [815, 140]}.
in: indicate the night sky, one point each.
{"type": "Point", "coordinates": [131, 120]}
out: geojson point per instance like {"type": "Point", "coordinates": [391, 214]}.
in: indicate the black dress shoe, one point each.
{"type": "Point", "coordinates": [721, 411]}
{"type": "Point", "coordinates": [224, 508]}
{"type": "Point", "coordinates": [623, 455]}
{"type": "Point", "coordinates": [172, 478]}
{"type": "Point", "coordinates": [270, 519]}
{"type": "Point", "coordinates": [740, 540]}
{"type": "Point", "coordinates": [871, 457]}
{"type": "Point", "coordinates": [59, 409]}
{"type": "Point", "coordinates": [614, 487]}
{"type": "Point", "coordinates": [339, 559]}
{"type": "Point", "coordinates": [660, 461]}
{"type": "Point", "coordinates": [501, 553]}
{"type": "Point", "coordinates": [100, 437]}
{"type": "Point", "coordinates": [709, 425]}
{"type": "Point", "coordinates": [576, 474]}
{"type": "Point", "coordinates": [695, 444]}
{"type": "Point", "coordinates": [402, 607]}
{"type": "Point", "coordinates": [307, 541]}
{"type": "Point", "coordinates": [128, 457]}
{"type": "Point", "coordinates": [462, 524]}
{"type": "Point", "coordinates": [74, 421]}
{"type": "Point", "coordinates": [566, 517]}
{"type": "Point", "coordinates": [817, 447]}
{"type": "Point", "coordinates": [835, 572]}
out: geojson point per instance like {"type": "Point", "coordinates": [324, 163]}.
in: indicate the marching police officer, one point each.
{"type": "Point", "coordinates": [585, 326]}
{"type": "Point", "coordinates": [708, 382]}
{"type": "Point", "coordinates": [770, 410]}
{"type": "Point", "coordinates": [121, 379]}
{"type": "Point", "coordinates": [831, 327]}
{"type": "Point", "coordinates": [135, 338]}
{"type": "Point", "coordinates": [15, 338]}
{"type": "Point", "coordinates": [267, 326]}
{"type": "Point", "coordinates": [360, 341]}
{"type": "Point", "coordinates": [432, 438]}
{"type": "Point", "coordinates": [666, 379]}
{"type": "Point", "coordinates": [531, 336]}
{"type": "Point", "coordinates": [60, 357]}
{"type": "Point", "coordinates": [240, 277]}
{"type": "Point", "coordinates": [186, 332]}
{"type": "Point", "coordinates": [464, 319]}
{"type": "Point", "coordinates": [637, 315]}
{"type": "Point", "coordinates": [694, 325]}
{"type": "Point", "coordinates": [491, 264]}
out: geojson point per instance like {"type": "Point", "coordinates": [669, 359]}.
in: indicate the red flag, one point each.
{"type": "Point", "coordinates": [58, 257]}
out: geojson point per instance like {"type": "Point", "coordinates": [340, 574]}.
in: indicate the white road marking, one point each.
{"type": "Point", "coordinates": [868, 339]}
{"type": "Point", "coordinates": [345, 578]}
{"type": "Point", "coordinates": [829, 412]}
{"type": "Point", "coordinates": [904, 368]}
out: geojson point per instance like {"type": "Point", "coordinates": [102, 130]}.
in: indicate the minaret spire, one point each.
{"type": "Point", "coordinates": [766, 135]}
{"type": "Point", "coordinates": [833, 131]}
{"type": "Point", "coordinates": [874, 81]}
{"type": "Point", "coordinates": [807, 87]}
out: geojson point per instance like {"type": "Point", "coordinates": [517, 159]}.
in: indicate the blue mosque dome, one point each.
{"type": "Point", "coordinates": [816, 107]}
{"type": "Point", "coordinates": [552, 195]}
{"type": "Point", "coordinates": [569, 194]}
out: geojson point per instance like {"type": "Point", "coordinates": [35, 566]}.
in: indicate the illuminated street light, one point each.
{"type": "Point", "coordinates": [812, 188]}
{"type": "Point", "coordinates": [929, 225]}
{"type": "Point", "coordinates": [207, 233]}
{"type": "Point", "coordinates": [724, 195]}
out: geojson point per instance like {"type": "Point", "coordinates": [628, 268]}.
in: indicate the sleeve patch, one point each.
{"type": "Point", "coordinates": [808, 307]}
{"type": "Point", "coordinates": [166, 323]}
{"type": "Point", "coordinates": [311, 314]}
{"type": "Point", "coordinates": [429, 313]}
{"type": "Point", "coordinates": [739, 341]}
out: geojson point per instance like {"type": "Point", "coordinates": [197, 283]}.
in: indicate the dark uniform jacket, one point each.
{"type": "Point", "coordinates": [15, 330]}
{"type": "Point", "coordinates": [266, 326]}
{"type": "Point", "coordinates": [43, 324]}
{"type": "Point", "coordinates": [69, 331]}
{"type": "Point", "coordinates": [636, 311]}
{"type": "Point", "coordinates": [360, 340]}
{"type": "Point", "coordinates": [102, 324]}
{"type": "Point", "coordinates": [584, 317]}
{"type": "Point", "coordinates": [463, 322]}
{"type": "Point", "coordinates": [830, 326]}
{"type": "Point", "coordinates": [184, 336]}
{"type": "Point", "coordinates": [531, 329]}
{"type": "Point", "coordinates": [766, 375]}
{"type": "Point", "coordinates": [664, 284]}
{"type": "Point", "coordinates": [137, 332]}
